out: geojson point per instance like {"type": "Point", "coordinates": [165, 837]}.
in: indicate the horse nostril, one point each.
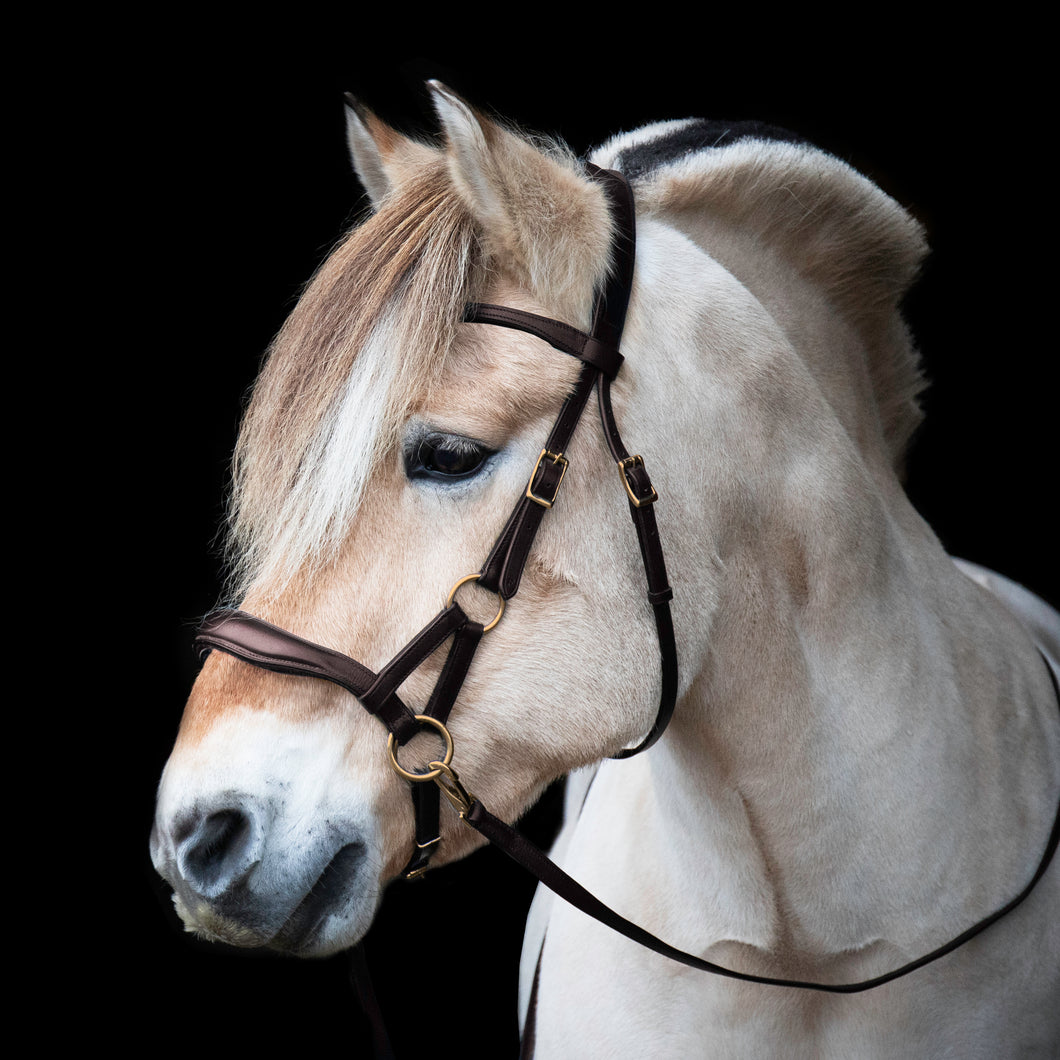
{"type": "Point", "coordinates": [217, 851]}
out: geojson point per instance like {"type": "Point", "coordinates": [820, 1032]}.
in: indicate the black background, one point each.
{"type": "Point", "coordinates": [220, 180]}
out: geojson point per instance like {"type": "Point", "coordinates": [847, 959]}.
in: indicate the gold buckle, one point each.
{"type": "Point", "coordinates": [623, 467]}
{"type": "Point", "coordinates": [556, 458]}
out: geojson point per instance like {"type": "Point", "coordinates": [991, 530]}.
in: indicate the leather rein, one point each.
{"type": "Point", "coordinates": [264, 645]}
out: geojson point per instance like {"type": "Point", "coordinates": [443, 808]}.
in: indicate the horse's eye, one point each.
{"type": "Point", "coordinates": [447, 456]}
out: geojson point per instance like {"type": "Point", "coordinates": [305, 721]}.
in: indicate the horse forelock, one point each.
{"type": "Point", "coordinates": [367, 338]}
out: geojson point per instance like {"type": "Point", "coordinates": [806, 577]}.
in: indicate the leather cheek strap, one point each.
{"type": "Point", "coordinates": [503, 569]}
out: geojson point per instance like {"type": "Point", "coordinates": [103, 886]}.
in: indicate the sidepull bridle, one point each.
{"type": "Point", "coordinates": [265, 645]}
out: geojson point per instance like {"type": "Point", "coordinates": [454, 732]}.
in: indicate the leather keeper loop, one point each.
{"type": "Point", "coordinates": [661, 597]}
{"type": "Point", "coordinates": [603, 356]}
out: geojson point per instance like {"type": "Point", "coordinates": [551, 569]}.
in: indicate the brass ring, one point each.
{"type": "Point", "coordinates": [423, 719]}
{"type": "Point", "coordinates": [475, 578]}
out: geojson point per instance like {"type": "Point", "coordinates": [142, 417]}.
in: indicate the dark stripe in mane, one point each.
{"type": "Point", "coordinates": [699, 135]}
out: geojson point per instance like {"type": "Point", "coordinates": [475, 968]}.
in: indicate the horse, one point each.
{"type": "Point", "coordinates": [860, 757]}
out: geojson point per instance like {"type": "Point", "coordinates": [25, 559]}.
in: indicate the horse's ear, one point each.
{"type": "Point", "coordinates": [536, 211]}
{"type": "Point", "coordinates": [382, 157]}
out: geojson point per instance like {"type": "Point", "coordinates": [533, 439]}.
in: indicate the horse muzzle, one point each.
{"type": "Point", "coordinates": [260, 849]}
{"type": "Point", "coordinates": [234, 880]}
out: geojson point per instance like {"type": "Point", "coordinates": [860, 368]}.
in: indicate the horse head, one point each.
{"type": "Point", "coordinates": [387, 437]}
{"type": "Point", "coordinates": [376, 464]}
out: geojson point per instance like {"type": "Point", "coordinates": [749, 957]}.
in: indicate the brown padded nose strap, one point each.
{"type": "Point", "coordinates": [267, 646]}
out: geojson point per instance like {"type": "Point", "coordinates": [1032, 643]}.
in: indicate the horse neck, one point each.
{"type": "Point", "coordinates": [868, 739]}
{"type": "Point", "coordinates": [863, 722]}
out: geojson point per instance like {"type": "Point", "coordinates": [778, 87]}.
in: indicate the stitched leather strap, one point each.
{"type": "Point", "coordinates": [423, 645]}
{"type": "Point", "coordinates": [504, 567]}
{"type": "Point", "coordinates": [267, 646]}
{"type": "Point", "coordinates": [426, 798]}
{"type": "Point", "coordinates": [601, 356]}
{"type": "Point", "coordinates": [552, 876]}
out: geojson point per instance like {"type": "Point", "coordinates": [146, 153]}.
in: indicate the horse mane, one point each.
{"type": "Point", "coordinates": [329, 401]}
{"type": "Point", "coordinates": [830, 224]}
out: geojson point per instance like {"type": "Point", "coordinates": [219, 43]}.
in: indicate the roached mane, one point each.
{"type": "Point", "coordinates": [331, 397]}
{"type": "Point", "coordinates": [861, 249]}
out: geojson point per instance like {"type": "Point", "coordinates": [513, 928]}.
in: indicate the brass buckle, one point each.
{"type": "Point", "coordinates": [556, 458]}
{"type": "Point", "coordinates": [623, 467]}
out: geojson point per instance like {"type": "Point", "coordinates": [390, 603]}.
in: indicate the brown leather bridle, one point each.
{"type": "Point", "coordinates": [265, 645]}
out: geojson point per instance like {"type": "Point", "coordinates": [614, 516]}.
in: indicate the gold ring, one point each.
{"type": "Point", "coordinates": [475, 578]}
{"type": "Point", "coordinates": [423, 719]}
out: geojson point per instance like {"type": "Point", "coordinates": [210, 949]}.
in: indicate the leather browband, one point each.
{"type": "Point", "coordinates": [561, 336]}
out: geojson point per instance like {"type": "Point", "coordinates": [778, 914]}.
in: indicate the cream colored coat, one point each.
{"type": "Point", "coordinates": [865, 756]}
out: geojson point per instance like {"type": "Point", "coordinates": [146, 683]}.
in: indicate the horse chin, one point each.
{"type": "Point", "coordinates": [336, 911]}
{"type": "Point", "coordinates": [199, 918]}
